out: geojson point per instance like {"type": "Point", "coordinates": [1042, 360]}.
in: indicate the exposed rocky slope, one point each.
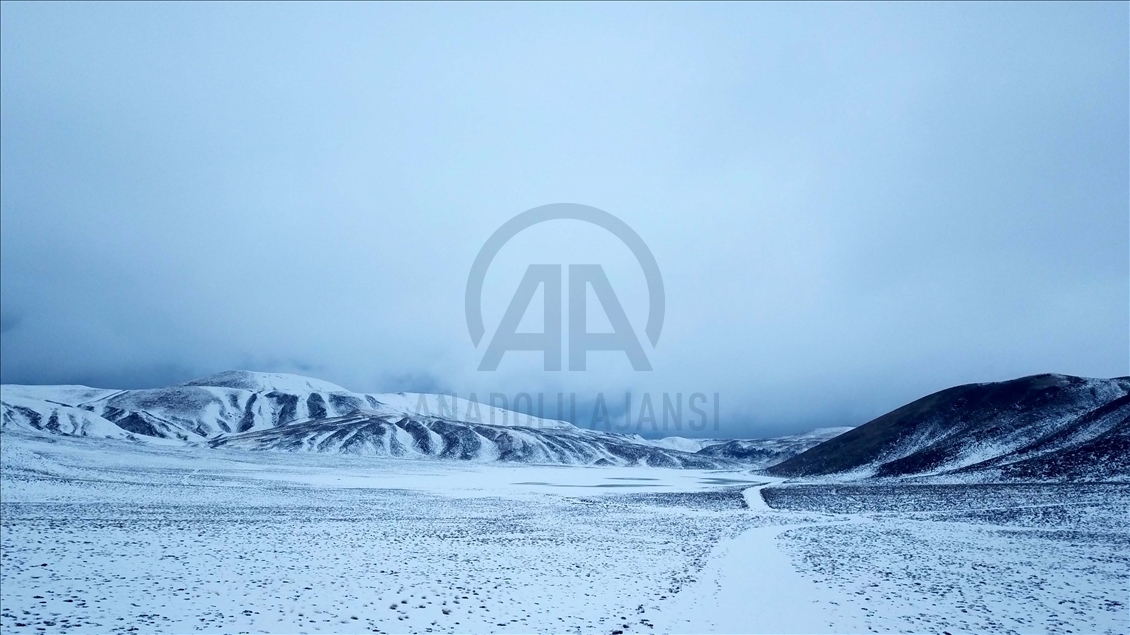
{"type": "Point", "coordinates": [403, 436]}
{"type": "Point", "coordinates": [262, 411]}
{"type": "Point", "coordinates": [229, 403]}
{"type": "Point", "coordinates": [1048, 427]}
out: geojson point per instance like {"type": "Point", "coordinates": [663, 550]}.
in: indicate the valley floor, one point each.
{"type": "Point", "coordinates": [101, 536]}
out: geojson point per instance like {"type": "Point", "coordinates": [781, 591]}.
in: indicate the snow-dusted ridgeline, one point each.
{"type": "Point", "coordinates": [229, 403]}
{"type": "Point", "coordinates": [1043, 427]}
{"type": "Point", "coordinates": [265, 411]}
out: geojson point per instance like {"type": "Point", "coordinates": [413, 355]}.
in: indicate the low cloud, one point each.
{"type": "Point", "coordinates": [850, 208]}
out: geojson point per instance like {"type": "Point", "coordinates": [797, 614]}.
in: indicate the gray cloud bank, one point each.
{"type": "Point", "coordinates": [851, 205]}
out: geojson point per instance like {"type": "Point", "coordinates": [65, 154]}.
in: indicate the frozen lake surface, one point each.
{"type": "Point", "coordinates": [101, 536]}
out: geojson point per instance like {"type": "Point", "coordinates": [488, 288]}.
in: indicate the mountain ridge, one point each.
{"type": "Point", "coordinates": [1048, 426]}
{"type": "Point", "coordinates": [987, 428]}
{"type": "Point", "coordinates": [279, 412]}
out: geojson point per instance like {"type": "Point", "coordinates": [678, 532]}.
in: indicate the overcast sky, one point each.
{"type": "Point", "coordinates": [851, 205]}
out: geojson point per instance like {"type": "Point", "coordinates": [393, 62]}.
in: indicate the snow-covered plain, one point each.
{"type": "Point", "coordinates": [104, 535]}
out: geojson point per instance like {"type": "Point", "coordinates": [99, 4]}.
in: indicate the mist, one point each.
{"type": "Point", "coordinates": [851, 205]}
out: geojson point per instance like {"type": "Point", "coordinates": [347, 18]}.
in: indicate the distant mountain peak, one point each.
{"type": "Point", "coordinates": [265, 382]}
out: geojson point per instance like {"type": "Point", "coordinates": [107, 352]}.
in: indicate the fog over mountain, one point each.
{"type": "Point", "coordinates": [851, 207]}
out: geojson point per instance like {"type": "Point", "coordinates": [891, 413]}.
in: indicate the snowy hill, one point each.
{"type": "Point", "coordinates": [38, 415]}
{"type": "Point", "coordinates": [683, 444]}
{"type": "Point", "coordinates": [265, 382]}
{"type": "Point", "coordinates": [403, 436]}
{"type": "Point", "coordinates": [233, 402]}
{"type": "Point", "coordinates": [272, 411]}
{"type": "Point", "coordinates": [1040, 427]}
{"type": "Point", "coordinates": [1049, 427]}
{"type": "Point", "coordinates": [761, 453]}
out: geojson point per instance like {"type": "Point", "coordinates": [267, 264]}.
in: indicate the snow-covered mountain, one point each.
{"type": "Point", "coordinates": [683, 444]}
{"type": "Point", "coordinates": [761, 453]}
{"type": "Point", "coordinates": [1041, 427]}
{"type": "Point", "coordinates": [403, 436]}
{"type": "Point", "coordinates": [1045, 426]}
{"type": "Point", "coordinates": [37, 415]}
{"type": "Point", "coordinates": [271, 411]}
{"type": "Point", "coordinates": [228, 403]}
